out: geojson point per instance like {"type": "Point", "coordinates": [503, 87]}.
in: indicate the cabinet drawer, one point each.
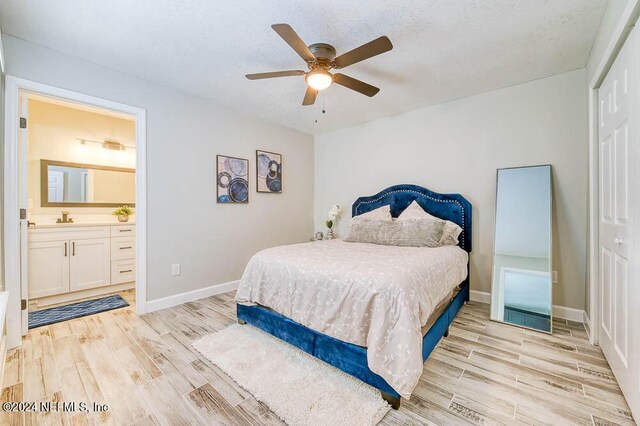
{"type": "Point", "coordinates": [123, 271]}
{"type": "Point", "coordinates": [123, 248]}
{"type": "Point", "coordinates": [123, 230]}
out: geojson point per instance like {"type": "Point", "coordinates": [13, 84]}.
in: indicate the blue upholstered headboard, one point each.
{"type": "Point", "coordinates": [453, 207]}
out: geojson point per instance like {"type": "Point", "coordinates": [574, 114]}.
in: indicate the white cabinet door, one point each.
{"type": "Point", "coordinates": [48, 268]}
{"type": "Point", "coordinates": [90, 264]}
{"type": "Point", "coordinates": [619, 313]}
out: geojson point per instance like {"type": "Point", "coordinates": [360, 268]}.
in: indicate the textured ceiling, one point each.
{"type": "Point", "coordinates": [442, 50]}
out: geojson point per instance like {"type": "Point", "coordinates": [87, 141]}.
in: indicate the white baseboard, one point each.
{"type": "Point", "coordinates": [480, 296]}
{"type": "Point", "coordinates": [190, 296]}
{"type": "Point", "coordinates": [571, 314]}
{"type": "Point", "coordinates": [563, 312]}
{"type": "Point", "coordinates": [587, 324]}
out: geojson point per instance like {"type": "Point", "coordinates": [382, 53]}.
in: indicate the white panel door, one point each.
{"type": "Point", "coordinates": [90, 263]}
{"type": "Point", "coordinates": [48, 268]}
{"type": "Point", "coordinates": [619, 296]}
{"type": "Point", "coordinates": [56, 186]}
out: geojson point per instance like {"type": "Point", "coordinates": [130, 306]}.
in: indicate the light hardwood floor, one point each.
{"type": "Point", "coordinates": [145, 369]}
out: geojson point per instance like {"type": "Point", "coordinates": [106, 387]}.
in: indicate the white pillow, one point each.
{"type": "Point", "coordinates": [450, 233]}
{"type": "Point", "coordinates": [414, 211]}
{"type": "Point", "coordinates": [381, 213]}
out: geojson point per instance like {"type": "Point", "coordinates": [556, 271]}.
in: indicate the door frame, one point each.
{"type": "Point", "coordinates": [11, 197]}
{"type": "Point", "coordinates": [621, 33]}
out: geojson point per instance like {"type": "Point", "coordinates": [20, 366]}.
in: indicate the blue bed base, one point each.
{"type": "Point", "coordinates": [352, 359]}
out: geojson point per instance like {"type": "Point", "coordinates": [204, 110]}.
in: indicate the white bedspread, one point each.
{"type": "Point", "coordinates": [366, 294]}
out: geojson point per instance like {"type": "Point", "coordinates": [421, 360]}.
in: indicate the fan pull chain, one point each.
{"type": "Point", "coordinates": [324, 111]}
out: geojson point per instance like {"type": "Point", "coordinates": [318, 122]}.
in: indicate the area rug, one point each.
{"type": "Point", "coordinates": [75, 310]}
{"type": "Point", "coordinates": [297, 387]}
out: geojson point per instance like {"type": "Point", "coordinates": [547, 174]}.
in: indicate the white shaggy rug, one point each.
{"type": "Point", "coordinates": [297, 387]}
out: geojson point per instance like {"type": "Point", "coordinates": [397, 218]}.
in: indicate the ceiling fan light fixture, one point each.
{"type": "Point", "coordinates": [319, 79]}
{"type": "Point", "coordinates": [320, 58]}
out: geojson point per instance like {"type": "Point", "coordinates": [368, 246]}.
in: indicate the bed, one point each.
{"type": "Point", "coordinates": [374, 312]}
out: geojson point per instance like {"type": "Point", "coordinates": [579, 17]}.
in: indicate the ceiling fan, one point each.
{"type": "Point", "coordinates": [320, 58]}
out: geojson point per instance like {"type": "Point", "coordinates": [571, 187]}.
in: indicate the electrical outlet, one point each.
{"type": "Point", "coordinates": [554, 278]}
{"type": "Point", "coordinates": [175, 269]}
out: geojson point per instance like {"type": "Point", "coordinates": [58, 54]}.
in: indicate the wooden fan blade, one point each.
{"type": "Point", "coordinates": [366, 51]}
{"type": "Point", "coordinates": [353, 84]}
{"type": "Point", "coordinates": [289, 35]}
{"type": "Point", "coordinates": [262, 75]}
{"type": "Point", "coordinates": [310, 96]}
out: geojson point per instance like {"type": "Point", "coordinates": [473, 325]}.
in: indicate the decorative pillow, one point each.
{"type": "Point", "coordinates": [406, 233]}
{"type": "Point", "coordinates": [381, 213]}
{"type": "Point", "coordinates": [450, 233]}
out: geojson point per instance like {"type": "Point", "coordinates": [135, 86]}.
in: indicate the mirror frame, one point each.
{"type": "Point", "coordinates": [44, 183]}
{"type": "Point", "coordinates": [493, 254]}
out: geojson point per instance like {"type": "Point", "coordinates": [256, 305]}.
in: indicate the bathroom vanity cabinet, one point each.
{"type": "Point", "coordinates": [69, 259]}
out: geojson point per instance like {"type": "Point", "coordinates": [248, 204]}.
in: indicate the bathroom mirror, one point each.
{"type": "Point", "coordinates": [65, 184]}
{"type": "Point", "coordinates": [522, 263]}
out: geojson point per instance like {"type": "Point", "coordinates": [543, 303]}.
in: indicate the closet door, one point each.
{"type": "Point", "coordinates": [618, 151]}
{"type": "Point", "coordinates": [90, 264]}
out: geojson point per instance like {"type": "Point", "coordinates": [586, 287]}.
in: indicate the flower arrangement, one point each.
{"type": "Point", "coordinates": [123, 213]}
{"type": "Point", "coordinates": [333, 218]}
{"type": "Point", "coordinates": [334, 212]}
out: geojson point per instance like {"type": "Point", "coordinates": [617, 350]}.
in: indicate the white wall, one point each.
{"type": "Point", "coordinates": [185, 225]}
{"type": "Point", "coordinates": [457, 147]}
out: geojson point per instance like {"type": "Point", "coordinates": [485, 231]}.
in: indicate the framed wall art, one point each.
{"type": "Point", "coordinates": [268, 172]}
{"type": "Point", "coordinates": [232, 180]}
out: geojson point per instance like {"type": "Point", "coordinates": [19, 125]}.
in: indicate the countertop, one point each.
{"type": "Point", "coordinates": [74, 224]}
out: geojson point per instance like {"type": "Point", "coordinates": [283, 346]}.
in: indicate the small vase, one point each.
{"type": "Point", "coordinates": [123, 218]}
{"type": "Point", "coordinates": [330, 234]}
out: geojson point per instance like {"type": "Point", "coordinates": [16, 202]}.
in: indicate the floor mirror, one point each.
{"type": "Point", "coordinates": [522, 263]}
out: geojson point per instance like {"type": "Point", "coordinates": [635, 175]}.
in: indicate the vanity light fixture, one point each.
{"type": "Point", "coordinates": [107, 144]}
{"type": "Point", "coordinates": [113, 145]}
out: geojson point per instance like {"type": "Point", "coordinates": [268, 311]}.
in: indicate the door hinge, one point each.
{"type": "Point", "coordinates": [23, 304]}
{"type": "Point", "coordinates": [23, 214]}
{"type": "Point", "coordinates": [23, 123]}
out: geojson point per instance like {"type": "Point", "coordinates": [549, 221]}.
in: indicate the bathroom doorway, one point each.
{"type": "Point", "coordinates": [74, 172]}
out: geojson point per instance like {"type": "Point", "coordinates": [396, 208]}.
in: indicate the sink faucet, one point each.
{"type": "Point", "coordinates": [65, 218]}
